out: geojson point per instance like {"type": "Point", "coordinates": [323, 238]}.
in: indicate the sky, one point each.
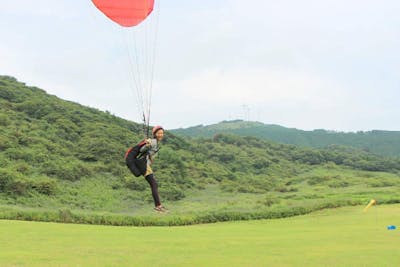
{"type": "Point", "coordinates": [310, 64]}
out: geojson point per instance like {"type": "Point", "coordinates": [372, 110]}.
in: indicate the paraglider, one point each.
{"type": "Point", "coordinates": [133, 16]}
{"type": "Point", "coordinates": [138, 25]}
{"type": "Point", "coordinates": [126, 13]}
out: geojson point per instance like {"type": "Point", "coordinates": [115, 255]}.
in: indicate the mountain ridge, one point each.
{"type": "Point", "coordinates": [381, 142]}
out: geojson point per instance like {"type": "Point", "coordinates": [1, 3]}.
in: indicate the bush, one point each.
{"type": "Point", "coordinates": [339, 184]}
{"type": "Point", "coordinates": [14, 183]}
{"type": "Point", "coordinates": [285, 189]}
{"type": "Point", "coordinates": [18, 186]}
{"type": "Point", "coordinates": [67, 130]}
{"type": "Point", "coordinates": [34, 108]}
{"type": "Point", "coordinates": [381, 183]}
{"type": "Point", "coordinates": [135, 183]}
{"type": "Point", "coordinates": [229, 186]}
{"type": "Point", "coordinates": [6, 177]}
{"type": "Point", "coordinates": [268, 201]}
{"type": "Point", "coordinates": [261, 163]}
{"type": "Point", "coordinates": [99, 149]}
{"type": "Point", "coordinates": [44, 185]}
{"type": "Point", "coordinates": [27, 154]}
{"type": "Point", "coordinates": [65, 215]}
{"type": "Point", "coordinates": [171, 192]}
{"type": "Point", "coordinates": [71, 170]}
{"type": "Point", "coordinates": [22, 167]}
{"type": "Point", "coordinates": [308, 156]}
{"type": "Point", "coordinates": [8, 93]}
{"type": "Point", "coordinates": [4, 120]}
{"type": "Point", "coordinates": [19, 154]}
{"type": "Point", "coordinates": [5, 143]}
{"type": "Point", "coordinates": [246, 188]}
{"type": "Point", "coordinates": [314, 180]}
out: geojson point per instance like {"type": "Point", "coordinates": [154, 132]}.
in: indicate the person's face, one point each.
{"type": "Point", "coordinates": [159, 135]}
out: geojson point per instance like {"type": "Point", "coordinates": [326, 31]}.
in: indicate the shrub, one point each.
{"type": "Point", "coordinates": [308, 156]}
{"type": "Point", "coordinates": [171, 192]}
{"type": "Point", "coordinates": [338, 184]}
{"type": "Point", "coordinates": [71, 170]}
{"type": "Point", "coordinates": [67, 130]}
{"type": "Point", "coordinates": [261, 163]}
{"type": "Point", "coordinates": [381, 183]}
{"type": "Point", "coordinates": [314, 180]}
{"type": "Point", "coordinates": [8, 93]}
{"type": "Point", "coordinates": [27, 154]}
{"type": "Point", "coordinates": [6, 177]}
{"type": "Point", "coordinates": [22, 167]}
{"type": "Point", "coordinates": [246, 188]}
{"type": "Point", "coordinates": [4, 120]}
{"type": "Point", "coordinates": [18, 186]}
{"type": "Point", "coordinates": [65, 215]}
{"type": "Point", "coordinates": [44, 185]}
{"type": "Point", "coordinates": [228, 186]}
{"type": "Point", "coordinates": [268, 201]}
{"type": "Point", "coordinates": [99, 149]}
{"type": "Point", "coordinates": [286, 189]}
{"type": "Point", "coordinates": [5, 143]}
{"type": "Point", "coordinates": [19, 154]}
{"type": "Point", "coordinates": [34, 108]}
{"type": "Point", "coordinates": [135, 183]}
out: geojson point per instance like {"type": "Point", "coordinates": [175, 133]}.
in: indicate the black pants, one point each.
{"type": "Point", "coordinates": [154, 189]}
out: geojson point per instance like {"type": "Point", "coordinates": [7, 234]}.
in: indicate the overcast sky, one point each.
{"type": "Point", "coordinates": [330, 64]}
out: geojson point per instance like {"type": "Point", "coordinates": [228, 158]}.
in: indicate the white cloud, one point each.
{"type": "Point", "coordinates": [38, 8]}
{"type": "Point", "coordinates": [215, 95]}
{"type": "Point", "coordinates": [260, 86]}
{"type": "Point", "coordinates": [309, 64]}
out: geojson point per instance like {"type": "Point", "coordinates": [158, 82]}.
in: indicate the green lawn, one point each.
{"type": "Point", "coordinates": [336, 237]}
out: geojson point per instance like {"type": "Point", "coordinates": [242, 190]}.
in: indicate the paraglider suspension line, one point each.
{"type": "Point", "coordinates": [146, 126]}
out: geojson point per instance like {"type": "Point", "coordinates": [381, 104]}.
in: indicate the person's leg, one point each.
{"type": "Point", "coordinates": [154, 189]}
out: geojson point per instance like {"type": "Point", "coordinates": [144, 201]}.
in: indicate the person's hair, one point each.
{"type": "Point", "coordinates": [156, 129]}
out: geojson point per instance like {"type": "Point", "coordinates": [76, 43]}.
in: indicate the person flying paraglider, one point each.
{"type": "Point", "coordinates": [133, 17]}
{"type": "Point", "coordinates": [140, 158]}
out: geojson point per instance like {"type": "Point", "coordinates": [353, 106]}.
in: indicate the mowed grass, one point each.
{"type": "Point", "coordinates": [335, 237]}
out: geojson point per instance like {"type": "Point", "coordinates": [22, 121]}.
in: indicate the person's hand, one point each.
{"type": "Point", "coordinates": [148, 142]}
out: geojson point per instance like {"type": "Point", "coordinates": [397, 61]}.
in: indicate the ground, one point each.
{"type": "Point", "coordinates": [334, 237]}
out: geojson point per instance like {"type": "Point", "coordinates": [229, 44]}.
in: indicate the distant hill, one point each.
{"type": "Point", "coordinates": [380, 142]}
{"type": "Point", "coordinates": [62, 161]}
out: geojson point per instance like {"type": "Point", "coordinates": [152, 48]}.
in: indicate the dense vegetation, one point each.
{"type": "Point", "coordinates": [61, 161]}
{"type": "Point", "coordinates": [386, 143]}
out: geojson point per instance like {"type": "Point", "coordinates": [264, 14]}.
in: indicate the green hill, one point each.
{"type": "Point", "coordinates": [61, 161]}
{"type": "Point", "coordinates": [385, 143]}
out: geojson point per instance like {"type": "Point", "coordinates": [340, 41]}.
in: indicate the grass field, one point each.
{"type": "Point", "coordinates": [335, 237]}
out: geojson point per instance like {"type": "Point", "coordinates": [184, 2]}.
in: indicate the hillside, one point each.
{"type": "Point", "coordinates": [63, 161]}
{"type": "Point", "coordinates": [386, 143]}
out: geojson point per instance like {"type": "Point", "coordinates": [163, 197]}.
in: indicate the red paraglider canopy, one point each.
{"type": "Point", "coordinates": [126, 13]}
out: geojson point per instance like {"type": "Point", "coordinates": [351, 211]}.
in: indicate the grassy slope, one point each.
{"type": "Point", "coordinates": [55, 154]}
{"type": "Point", "coordinates": [338, 237]}
{"type": "Point", "coordinates": [380, 142]}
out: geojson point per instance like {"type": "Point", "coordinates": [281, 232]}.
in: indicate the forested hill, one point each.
{"type": "Point", "coordinates": [380, 142]}
{"type": "Point", "coordinates": [59, 154]}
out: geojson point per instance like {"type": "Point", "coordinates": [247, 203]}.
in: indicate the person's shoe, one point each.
{"type": "Point", "coordinates": [160, 209]}
{"type": "Point", "coordinates": [164, 209]}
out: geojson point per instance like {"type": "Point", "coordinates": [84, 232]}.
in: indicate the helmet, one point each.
{"type": "Point", "coordinates": [156, 129]}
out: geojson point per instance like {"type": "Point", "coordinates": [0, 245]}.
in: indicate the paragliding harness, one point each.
{"type": "Point", "coordinates": [136, 160]}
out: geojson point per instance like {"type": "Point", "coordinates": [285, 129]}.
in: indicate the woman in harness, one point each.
{"type": "Point", "coordinates": [139, 159]}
